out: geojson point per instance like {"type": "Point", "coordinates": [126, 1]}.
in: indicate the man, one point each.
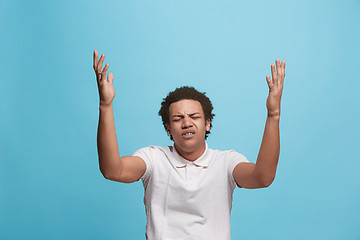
{"type": "Point", "coordinates": [188, 186]}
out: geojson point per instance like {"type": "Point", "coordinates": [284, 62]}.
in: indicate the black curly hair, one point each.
{"type": "Point", "coordinates": [186, 92]}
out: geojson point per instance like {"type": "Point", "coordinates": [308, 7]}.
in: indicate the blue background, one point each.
{"type": "Point", "coordinates": [51, 187]}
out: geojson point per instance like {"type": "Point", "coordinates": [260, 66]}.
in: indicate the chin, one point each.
{"type": "Point", "coordinates": [188, 145]}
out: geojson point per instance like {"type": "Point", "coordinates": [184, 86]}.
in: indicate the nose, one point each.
{"type": "Point", "coordinates": [187, 122]}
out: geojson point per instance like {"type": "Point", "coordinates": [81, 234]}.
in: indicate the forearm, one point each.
{"type": "Point", "coordinates": [267, 160]}
{"type": "Point", "coordinates": [108, 150]}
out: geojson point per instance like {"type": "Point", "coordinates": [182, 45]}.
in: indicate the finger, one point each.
{"type": "Point", "coordinates": [110, 78]}
{"type": "Point", "coordinates": [268, 80]}
{"type": "Point", "coordinates": [100, 63]}
{"type": "Point", "coordinates": [103, 73]}
{"type": "Point", "coordinates": [96, 59]}
{"type": "Point", "coordinates": [283, 67]}
{"type": "Point", "coordinates": [273, 72]}
{"type": "Point", "coordinates": [278, 70]}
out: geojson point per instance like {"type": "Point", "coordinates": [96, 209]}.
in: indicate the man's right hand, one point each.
{"type": "Point", "coordinates": [105, 86]}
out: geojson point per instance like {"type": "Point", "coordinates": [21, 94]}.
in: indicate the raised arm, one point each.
{"type": "Point", "coordinates": [113, 167]}
{"type": "Point", "coordinates": [262, 174]}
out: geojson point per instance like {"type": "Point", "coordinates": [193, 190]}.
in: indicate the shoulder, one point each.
{"type": "Point", "coordinates": [150, 147]}
{"type": "Point", "coordinates": [151, 150]}
{"type": "Point", "coordinates": [227, 154]}
{"type": "Point", "coordinates": [151, 156]}
{"type": "Point", "coordinates": [230, 158]}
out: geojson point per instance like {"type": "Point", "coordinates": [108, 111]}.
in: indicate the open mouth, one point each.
{"type": "Point", "coordinates": [188, 134]}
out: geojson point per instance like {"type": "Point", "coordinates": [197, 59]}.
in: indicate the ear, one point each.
{"type": "Point", "coordinates": [207, 125]}
{"type": "Point", "coordinates": [168, 129]}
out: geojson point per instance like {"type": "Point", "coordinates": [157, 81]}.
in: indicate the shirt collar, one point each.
{"type": "Point", "coordinates": [202, 161]}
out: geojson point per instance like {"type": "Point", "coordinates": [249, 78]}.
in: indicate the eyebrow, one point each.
{"type": "Point", "coordinates": [181, 115]}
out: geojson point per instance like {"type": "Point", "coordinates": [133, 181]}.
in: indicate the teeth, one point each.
{"type": "Point", "coordinates": [188, 134]}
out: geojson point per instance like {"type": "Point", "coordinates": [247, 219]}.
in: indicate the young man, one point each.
{"type": "Point", "coordinates": [188, 186]}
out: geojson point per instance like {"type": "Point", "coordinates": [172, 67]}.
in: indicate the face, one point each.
{"type": "Point", "coordinates": [187, 125]}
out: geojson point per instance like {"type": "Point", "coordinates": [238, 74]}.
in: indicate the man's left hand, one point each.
{"type": "Point", "coordinates": [275, 88]}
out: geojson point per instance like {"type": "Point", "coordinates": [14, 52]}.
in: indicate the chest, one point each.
{"type": "Point", "coordinates": [190, 185]}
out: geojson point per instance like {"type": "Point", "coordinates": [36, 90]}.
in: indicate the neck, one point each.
{"type": "Point", "coordinates": [191, 155]}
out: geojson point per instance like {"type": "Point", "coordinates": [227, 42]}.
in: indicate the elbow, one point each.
{"type": "Point", "coordinates": [266, 181]}
{"type": "Point", "coordinates": [114, 176]}
{"type": "Point", "coordinates": [107, 175]}
{"type": "Point", "coordinates": [111, 177]}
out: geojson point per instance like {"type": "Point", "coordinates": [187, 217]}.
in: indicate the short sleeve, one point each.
{"type": "Point", "coordinates": [146, 155]}
{"type": "Point", "coordinates": [234, 158]}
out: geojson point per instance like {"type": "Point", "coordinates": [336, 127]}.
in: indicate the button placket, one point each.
{"type": "Point", "coordinates": [190, 175]}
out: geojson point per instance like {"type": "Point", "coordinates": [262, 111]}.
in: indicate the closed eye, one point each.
{"type": "Point", "coordinates": [176, 119]}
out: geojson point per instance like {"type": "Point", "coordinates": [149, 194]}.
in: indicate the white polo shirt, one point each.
{"type": "Point", "coordinates": [188, 200]}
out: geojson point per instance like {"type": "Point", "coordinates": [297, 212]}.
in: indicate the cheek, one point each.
{"type": "Point", "coordinates": [174, 127]}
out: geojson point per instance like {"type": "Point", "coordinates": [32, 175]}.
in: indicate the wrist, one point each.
{"type": "Point", "coordinates": [274, 115]}
{"type": "Point", "coordinates": [104, 107]}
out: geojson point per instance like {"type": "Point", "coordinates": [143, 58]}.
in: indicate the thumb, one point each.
{"type": "Point", "coordinates": [110, 78]}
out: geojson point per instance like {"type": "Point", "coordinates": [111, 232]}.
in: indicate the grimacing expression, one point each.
{"type": "Point", "coordinates": [187, 124]}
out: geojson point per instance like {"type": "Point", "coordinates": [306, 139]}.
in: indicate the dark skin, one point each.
{"type": "Point", "coordinates": [262, 174]}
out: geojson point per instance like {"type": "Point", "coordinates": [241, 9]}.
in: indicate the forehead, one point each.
{"type": "Point", "coordinates": [185, 106]}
